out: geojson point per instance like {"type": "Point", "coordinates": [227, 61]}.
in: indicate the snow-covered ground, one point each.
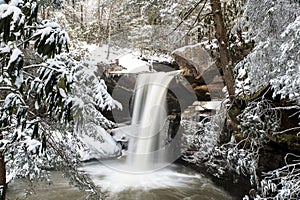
{"type": "Point", "coordinates": [99, 54]}
{"type": "Point", "coordinates": [130, 60]}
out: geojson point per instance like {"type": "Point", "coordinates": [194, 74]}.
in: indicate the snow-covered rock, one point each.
{"type": "Point", "coordinates": [95, 149]}
{"type": "Point", "coordinates": [193, 58]}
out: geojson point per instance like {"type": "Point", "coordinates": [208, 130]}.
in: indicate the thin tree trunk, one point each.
{"type": "Point", "coordinates": [73, 11]}
{"type": "Point", "coordinates": [221, 35]}
{"type": "Point", "coordinates": [81, 14]}
{"type": "Point", "coordinates": [100, 16]}
{"type": "Point", "coordinates": [3, 185]}
{"type": "Point", "coordinates": [109, 29]}
{"type": "Point", "coordinates": [43, 12]}
{"type": "Point", "coordinates": [199, 35]}
{"type": "Point", "coordinates": [186, 40]}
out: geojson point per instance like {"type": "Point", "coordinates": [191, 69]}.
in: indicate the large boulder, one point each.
{"type": "Point", "coordinates": [201, 72]}
{"type": "Point", "coordinates": [98, 145]}
{"type": "Point", "coordinates": [193, 59]}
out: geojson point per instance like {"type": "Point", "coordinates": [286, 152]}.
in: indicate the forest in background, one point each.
{"type": "Point", "coordinates": [45, 104]}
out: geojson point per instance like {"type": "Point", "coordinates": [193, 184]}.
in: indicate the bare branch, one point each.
{"type": "Point", "coordinates": [39, 65]}
{"type": "Point", "coordinates": [202, 18]}
{"type": "Point", "coordinates": [287, 130]}
{"type": "Point", "coordinates": [190, 11]}
{"type": "Point", "coordinates": [198, 19]}
{"type": "Point", "coordinates": [286, 108]}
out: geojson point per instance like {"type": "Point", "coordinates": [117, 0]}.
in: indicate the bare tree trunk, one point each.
{"type": "Point", "coordinates": [43, 13]}
{"type": "Point", "coordinates": [3, 185]}
{"type": "Point", "coordinates": [109, 29]}
{"type": "Point", "coordinates": [199, 35]}
{"type": "Point", "coordinates": [100, 16]}
{"type": "Point", "coordinates": [81, 14]}
{"type": "Point", "coordinates": [221, 35]}
{"type": "Point", "coordinates": [73, 11]}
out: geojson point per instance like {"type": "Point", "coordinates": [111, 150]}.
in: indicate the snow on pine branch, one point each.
{"type": "Point", "coordinates": [13, 16]}
{"type": "Point", "coordinates": [51, 87]}
{"type": "Point", "coordinates": [90, 97]}
{"type": "Point", "coordinates": [95, 87]}
{"type": "Point", "coordinates": [50, 38]}
{"type": "Point", "coordinates": [24, 152]}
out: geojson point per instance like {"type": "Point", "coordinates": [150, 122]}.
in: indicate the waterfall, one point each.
{"type": "Point", "coordinates": [149, 121]}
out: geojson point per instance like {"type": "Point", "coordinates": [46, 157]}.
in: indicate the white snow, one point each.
{"type": "Point", "coordinates": [19, 79]}
{"type": "Point", "coordinates": [98, 54]}
{"type": "Point", "coordinates": [6, 10]}
{"type": "Point", "coordinates": [15, 55]}
{"type": "Point", "coordinates": [133, 64]}
{"type": "Point", "coordinates": [53, 25]}
{"type": "Point", "coordinates": [65, 39]}
{"type": "Point", "coordinates": [127, 58]}
{"type": "Point", "coordinates": [50, 40]}
{"type": "Point", "coordinates": [96, 149]}
{"type": "Point", "coordinates": [5, 49]}
{"type": "Point", "coordinates": [9, 100]}
{"type": "Point", "coordinates": [208, 105]}
{"type": "Point", "coordinates": [183, 49]}
{"type": "Point", "coordinates": [15, 2]}
{"type": "Point", "coordinates": [78, 102]}
{"type": "Point", "coordinates": [44, 32]}
{"type": "Point", "coordinates": [62, 92]}
{"type": "Point", "coordinates": [32, 145]}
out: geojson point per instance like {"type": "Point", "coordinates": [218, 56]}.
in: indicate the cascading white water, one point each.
{"type": "Point", "coordinates": [146, 145]}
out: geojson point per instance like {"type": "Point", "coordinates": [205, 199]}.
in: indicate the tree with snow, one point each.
{"type": "Point", "coordinates": [273, 67]}
{"type": "Point", "coordinates": [266, 85]}
{"type": "Point", "coordinates": [37, 110]}
{"type": "Point", "coordinates": [28, 88]}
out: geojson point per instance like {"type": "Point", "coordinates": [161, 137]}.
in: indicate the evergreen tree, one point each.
{"type": "Point", "coordinates": [36, 108]}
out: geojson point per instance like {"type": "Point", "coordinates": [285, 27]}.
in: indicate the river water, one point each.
{"type": "Point", "coordinates": [174, 182]}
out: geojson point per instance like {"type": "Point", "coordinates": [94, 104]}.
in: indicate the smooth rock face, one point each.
{"type": "Point", "coordinates": [201, 72]}
{"type": "Point", "coordinates": [194, 59]}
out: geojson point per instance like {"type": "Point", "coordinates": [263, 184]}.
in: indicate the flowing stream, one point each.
{"type": "Point", "coordinates": [147, 172]}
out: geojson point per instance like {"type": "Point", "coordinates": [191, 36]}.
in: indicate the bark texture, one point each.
{"type": "Point", "coordinates": [221, 35]}
{"type": "Point", "coordinates": [2, 173]}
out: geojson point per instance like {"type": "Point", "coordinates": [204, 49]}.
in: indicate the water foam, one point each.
{"type": "Point", "coordinates": [114, 181]}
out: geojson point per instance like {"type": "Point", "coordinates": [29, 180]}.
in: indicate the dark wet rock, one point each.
{"type": "Point", "coordinates": [121, 87]}
{"type": "Point", "coordinates": [164, 66]}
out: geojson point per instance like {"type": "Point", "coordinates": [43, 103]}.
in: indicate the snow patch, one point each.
{"type": "Point", "coordinates": [133, 64]}
{"type": "Point", "coordinates": [99, 54]}
{"type": "Point", "coordinates": [99, 149]}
